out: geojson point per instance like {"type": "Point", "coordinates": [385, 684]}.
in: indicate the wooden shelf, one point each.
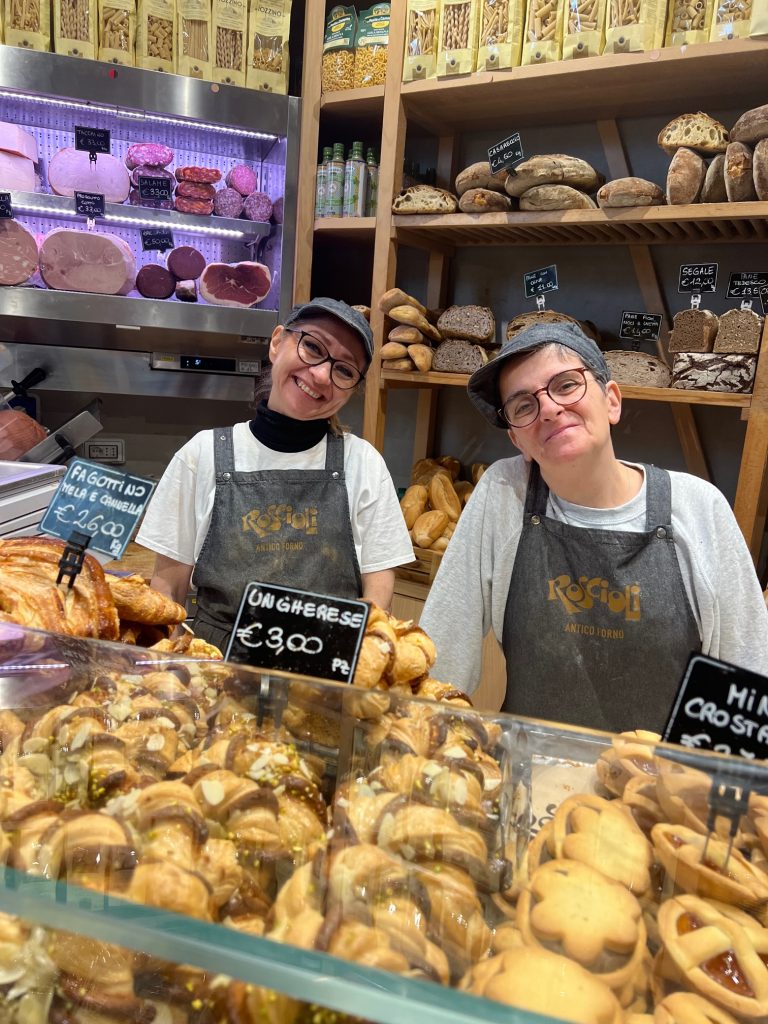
{"type": "Point", "coordinates": [592, 88]}
{"type": "Point", "coordinates": [361, 228]}
{"type": "Point", "coordinates": [354, 104]}
{"type": "Point", "coordinates": [642, 225]}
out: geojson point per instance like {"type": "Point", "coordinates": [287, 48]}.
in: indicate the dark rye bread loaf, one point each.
{"type": "Point", "coordinates": [693, 330]}
{"type": "Point", "coordinates": [454, 355]}
{"type": "Point", "coordinates": [471, 323]}
{"type": "Point", "coordinates": [712, 371]}
{"type": "Point", "coordinates": [637, 368]}
{"type": "Point", "coordinates": [739, 331]}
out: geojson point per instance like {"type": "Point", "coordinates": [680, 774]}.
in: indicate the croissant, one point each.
{"type": "Point", "coordinates": [136, 601]}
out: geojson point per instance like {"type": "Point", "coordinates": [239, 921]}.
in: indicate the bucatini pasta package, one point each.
{"type": "Point", "coordinates": [634, 25]}
{"type": "Point", "coordinates": [457, 50]}
{"type": "Point", "coordinates": [543, 39]}
{"type": "Point", "coordinates": [758, 25]}
{"type": "Point", "coordinates": [230, 41]}
{"type": "Point", "coordinates": [194, 47]}
{"type": "Point", "coordinates": [731, 19]}
{"type": "Point", "coordinates": [155, 35]}
{"type": "Point", "coordinates": [75, 28]}
{"type": "Point", "coordinates": [372, 46]}
{"type": "Point", "coordinates": [269, 25]}
{"type": "Point", "coordinates": [28, 24]}
{"type": "Point", "coordinates": [583, 26]}
{"type": "Point", "coordinates": [688, 21]}
{"type": "Point", "coordinates": [502, 23]}
{"type": "Point", "coordinates": [421, 37]}
{"type": "Point", "coordinates": [117, 31]}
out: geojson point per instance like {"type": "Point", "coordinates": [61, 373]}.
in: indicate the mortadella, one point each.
{"type": "Point", "coordinates": [84, 261]}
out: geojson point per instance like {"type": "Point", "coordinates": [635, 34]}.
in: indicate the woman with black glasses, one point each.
{"type": "Point", "coordinates": [599, 577]}
{"type": "Point", "coordinates": [289, 497]}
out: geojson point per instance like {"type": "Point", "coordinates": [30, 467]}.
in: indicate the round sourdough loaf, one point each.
{"type": "Point", "coordinates": [738, 173]}
{"type": "Point", "coordinates": [760, 169]}
{"type": "Point", "coordinates": [623, 192]}
{"type": "Point", "coordinates": [751, 126]}
{"type": "Point", "coordinates": [556, 197]}
{"type": "Point", "coordinates": [714, 181]}
{"type": "Point", "coordinates": [696, 131]}
{"type": "Point", "coordinates": [552, 169]}
{"type": "Point", "coordinates": [483, 200]}
{"type": "Point", "coordinates": [638, 368]}
{"type": "Point", "coordinates": [685, 177]}
{"type": "Point", "coordinates": [479, 176]}
{"type": "Point", "coordinates": [544, 316]}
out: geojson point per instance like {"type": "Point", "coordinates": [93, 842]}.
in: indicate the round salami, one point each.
{"type": "Point", "coordinates": [153, 154]}
{"type": "Point", "coordinates": [258, 206]}
{"type": "Point", "coordinates": [202, 207]}
{"type": "Point", "coordinates": [151, 172]}
{"type": "Point", "coordinates": [203, 175]}
{"type": "Point", "coordinates": [228, 203]}
{"type": "Point", "coordinates": [194, 190]}
{"type": "Point", "coordinates": [155, 282]}
{"type": "Point", "coordinates": [243, 178]}
{"type": "Point", "coordinates": [186, 263]}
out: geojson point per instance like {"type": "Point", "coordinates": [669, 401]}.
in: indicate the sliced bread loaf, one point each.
{"type": "Point", "coordinates": [544, 316]}
{"type": "Point", "coordinates": [424, 199]}
{"type": "Point", "coordinates": [637, 368]}
{"type": "Point", "coordinates": [696, 131]}
{"type": "Point", "coordinates": [471, 323]}
{"type": "Point", "coordinates": [739, 331]}
{"type": "Point", "coordinates": [693, 330]}
{"type": "Point", "coordinates": [712, 371]}
{"type": "Point", "coordinates": [454, 355]}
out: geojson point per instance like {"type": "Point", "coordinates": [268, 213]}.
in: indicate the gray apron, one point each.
{"type": "Point", "coordinates": [290, 527]}
{"type": "Point", "coordinates": [597, 627]}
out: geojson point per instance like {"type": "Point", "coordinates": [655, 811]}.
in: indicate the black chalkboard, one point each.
{"type": "Point", "coordinates": [764, 300]}
{"type": "Point", "coordinates": [297, 631]}
{"type": "Point", "coordinates": [89, 204]}
{"type": "Point", "coordinates": [92, 140]}
{"type": "Point", "coordinates": [154, 187]}
{"type": "Point", "coordinates": [6, 210]}
{"type": "Point", "coordinates": [99, 501]}
{"type": "Point", "coordinates": [640, 326]}
{"type": "Point", "coordinates": [159, 239]}
{"type": "Point", "coordinates": [505, 154]}
{"type": "Point", "coordinates": [537, 282]}
{"type": "Point", "coordinates": [697, 277]}
{"type": "Point", "coordinates": [747, 284]}
{"type": "Point", "coordinates": [720, 707]}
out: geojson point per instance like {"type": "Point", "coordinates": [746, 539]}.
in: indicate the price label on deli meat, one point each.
{"type": "Point", "coordinates": [154, 187]}
{"type": "Point", "coordinates": [537, 282]}
{"type": "Point", "coordinates": [506, 154]}
{"type": "Point", "coordinates": [297, 631]}
{"type": "Point", "coordinates": [697, 277]}
{"type": "Point", "coordinates": [99, 501]}
{"type": "Point", "coordinates": [6, 210]}
{"type": "Point", "coordinates": [158, 239]}
{"type": "Point", "coordinates": [747, 284]}
{"type": "Point", "coordinates": [92, 140]}
{"type": "Point", "coordinates": [640, 326]}
{"type": "Point", "coordinates": [89, 204]}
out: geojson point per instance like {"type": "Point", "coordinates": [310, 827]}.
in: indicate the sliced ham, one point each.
{"type": "Point", "coordinates": [71, 171]}
{"type": "Point", "coordinates": [18, 142]}
{"type": "Point", "coordinates": [83, 261]}
{"type": "Point", "coordinates": [235, 284]}
{"type": "Point", "coordinates": [18, 253]}
{"type": "Point", "coordinates": [17, 173]}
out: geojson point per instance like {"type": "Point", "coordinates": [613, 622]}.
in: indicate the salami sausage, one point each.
{"type": "Point", "coordinates": [228, 203]}
{"type": "Point", "coordinates": [153, 154]}
{"type": "Point", "coordinates": [194, 190]}
{"type": "Point", "coordinates": [202, 207]}
{"type": "Point", "coordinates": [202, 175]}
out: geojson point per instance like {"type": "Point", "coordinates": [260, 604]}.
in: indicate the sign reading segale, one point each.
{"type": "Point", "coordinates": [697, 277]}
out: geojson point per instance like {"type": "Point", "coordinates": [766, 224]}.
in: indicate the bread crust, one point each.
{"type": "Point", "coordinates": [623, 192]}
{"type": "Point", "coordinates": [484, 200]}
{"type": "Point", "coordinates": [739, 185]}
{"type": "Point", "coordinates": [685, 177]}
{"type": "Point", "coordinates": [696, 131]}
{"type": "Point", "coordinates": [751, 126]}
{"type": "Point", "coordinates": [424, 199]}
{"type": "Point", "coordinates": [479, 175]}
{"type": "Point", "coordinates": [556, 197]}
{"type": "Point", "coordinates": [551, 169]}
{"type": "Point", "coordinates": [713, 190]}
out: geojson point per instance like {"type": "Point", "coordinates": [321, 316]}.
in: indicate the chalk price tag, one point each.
{"type": "Point", "coordinates": [506, 154]}
{"type": "Point", "coordinates": [92, 140]}
{"type": "Point", "coordinates": [6, 210]}
{"type": "Point", "coordinates": [640, 326]}
{"type": "Point", "coordinates": [89, 204]}
{"type": "Point", "coordinates": [747, 284]}
{"type": "Point", "coordinates": [720, 707]}
{"type": "Point", "coordinates": [697, 277]}
{"type": "Point", "coordinates": [537, 282]}
{"type": "Point", "coordinates": [99, 501]}
{"type": "Point", "coordinates": [153, 187]}
{"type": "Point", "coordinates": [297, 631]}
{"type": "Point", "coordinates": [158, 239]}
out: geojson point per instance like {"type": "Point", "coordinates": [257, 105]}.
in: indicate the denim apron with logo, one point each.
{"type": "Point", "coordinates": [289, 527]}
{"type": "Point", "coordinates": [598, 628]}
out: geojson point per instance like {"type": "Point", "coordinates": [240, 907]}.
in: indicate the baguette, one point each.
{"type": "Point", "coordinates": [428, 527]}
{"type": "Point", "coordinates": [443, 496]}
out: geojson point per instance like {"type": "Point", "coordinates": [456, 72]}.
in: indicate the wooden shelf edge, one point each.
{"type": "Point", "coordinates": [352, 100]}
{"type": "Point", "coordinates": [358, 226]}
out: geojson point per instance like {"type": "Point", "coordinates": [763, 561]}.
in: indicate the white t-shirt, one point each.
{"type": "Point", "coordinates": [179, 514]}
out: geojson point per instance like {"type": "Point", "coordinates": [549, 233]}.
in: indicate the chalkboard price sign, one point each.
{"type": "Point", "coordinates": [720, 707]}
{"type": "Point", "coordinates": [537, 282]}
{"type": "Point", "coordinates": [99, 501]}
{"type": "Point", "coordinates": [506, 154]}
{"type": "Point", "coordinates": [6, 210]}
{"type": "Point", "coordinates": [92, 140]}
{"type": "Point", "coordinates": [697, 277]}
{"type": "Point", "coordinates": [747, 284]}
{"type": "Point", "coordinates": [296, 631]}
{"type": "Point", "coordinates": [158, 239]}
{"type": "Point", "coordinates": [640, 326]}
{"type": "Point", "coordinates": [154, 187]}
{"type": "Point", "coordinates": [89, 204]}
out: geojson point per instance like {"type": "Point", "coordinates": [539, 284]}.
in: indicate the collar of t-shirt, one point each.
{"type": "Point", "coordinates": [283, 433]}
{"type": "Point", "coordinates": [629, 517]}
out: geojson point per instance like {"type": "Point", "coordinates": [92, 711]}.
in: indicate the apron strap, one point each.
{"type": "Point", "coordinates": [334, 454]}
{"type": "Point", "coordinates": [223, 451]}
{"type": "Point", "coordinates": [658, 497]}
{"type": "Point", "coordinates": [537, 493]}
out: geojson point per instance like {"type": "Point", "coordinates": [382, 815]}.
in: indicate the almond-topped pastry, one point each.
{"type": "Point", "coordinates": [456, 918]}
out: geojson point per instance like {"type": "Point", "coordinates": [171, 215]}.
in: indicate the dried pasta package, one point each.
{"type": "Point", "coordinates": [194, 50]}
{"type": "Point", "coordinates": [230, 41]}
{"type": "Point", "coordinates": [372, 46]}
{"type": "Point", "coordinates": [500, 38]}
{"type": "Point", "coordinates": [634, 25]}
{"type": "Point", "coordinates": [731, 19]}
{"type": "Point", "coordinates": [421, 38]}
{"type": "Point", "coordinates": [155, 35]}
{"type": "Point", "coordinates": [542, 41]}
{"type": "Point", "coordinates": [758, 25]}
{"type": "Point", "coordinates": [583, 26]}
{"type": "Point", "coordinates": [338, 70]}
{"type": "Point", "coordinates": [688, 21]}
{"type": "Point", "coordinates": [75, 28]}
{"type": "Point", "coordinates": [117, 31]}
{"type": "Point", "coordinates": [268, 29]}
{"type": "Point", "coordinates": [457, 51]}
{"type": "Point", "coordinates": [28, 23]}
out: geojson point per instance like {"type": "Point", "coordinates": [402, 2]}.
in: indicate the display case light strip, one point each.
{"type": "Point", "coordinates": [138, 115]}
{"type": "Point", "coordinates": [135, 222]}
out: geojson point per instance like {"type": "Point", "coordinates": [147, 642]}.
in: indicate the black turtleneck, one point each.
{"type": "Point", "coordinates": [283, 433]}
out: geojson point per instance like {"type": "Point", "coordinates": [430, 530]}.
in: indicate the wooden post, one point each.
{"type": "Point", "coordinates": [751, 501]}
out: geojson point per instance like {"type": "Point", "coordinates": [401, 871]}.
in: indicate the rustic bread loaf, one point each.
{"type": "Point", "coordinates": [713, 190]}
{"type": "Point", "coordinates": [712, 371]}
{"type": "Point", "coordinates": [422, 356]}
{"type": "Point", "coordinates": [739, 184]}
{"type": "Point", "coordinates": [693, 330]}
{"type": "Point", "coordinates": [551, 169]}
{"type": "Point", "coordinates": [393, 350]}
{"type": "Point", "coordinates": [623, 192]}
{"type": "Point", "coordinates": [739, 331]}
{"type": "Point", "coordinates": [472, 323]}
{"type": "Point", "coordinates": [685, 177]}
{"type": "Point", "coordinates": [424, 199]}
{"type": "Point", "coordinates": [405, 335]}
{"type": "Point", "coordinates": [479, 176]}
{"type": "Point", "coordinates": [637, 368]}
{"type": "Point", "coordinates": [695, 131]}
{"type": "Point", "coordinates": [556, 197]}
{"type": "Point", "coordinates": [483, 200]}
{"type": "Point", "coordinates": [454, 355]}
{"type": "Point", "coordinates": [397, 297]}
{"type": "Point", "coordinates": [760, 169]}
{"type": "Point", "coordinates": [751, 126]}
{"type": "Point", "coordinates": [544, 316]}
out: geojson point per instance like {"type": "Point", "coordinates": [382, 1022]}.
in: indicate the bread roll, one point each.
{"type": "Point", "coordinates": [477, 470]}
{"type": "Point", "coordinates": [685, 177]}
{"type": "Point", "coordinates": [464, 489]}
{"type": "Point", "coordinates": [422, 357]}
{"type": "Point", "coordinates": [695, 131]}
{"type": "Point", "coordinates": [414, 503]}
{"type": "Point", "coordinates": [406, 335]}
{"type": "Point", "coordinates": [622, 192]}
{"type": "Point", "coordinates": [484, 200]}
{"type": "Point", "coordinates": [739, 184]}
{"type": "Point", "coordinates": [413, 318]}
{"type": "Point", "coordinates": [428, 527]}
{"type": "Point", "coordinates": [452, 464]}
{"type": "Point", "coordinates": [365, 310]}
{"type": "Point", "coordinates": [556, 197]}
{"type": "Point", "coordinates": [393, 350]}
{"type": "Point", "coordinates": [397, 364]}
{"type": "Point", "coordinates": [397, 297]}
{"type": "Point", "coordinates": [440, 544]}
{"type": "Point", "coordinates": [551, 169]}
{"type": "Point", "coordinates": [637, 368]}
{"type": "Point", "coordinates": [443, 496]}
{"type": "Point", "coordinates": [479, 176]}
{"type": "Point", "coordinates": [423, 466]}
{"type": "Point", "coordinates": [714, 181]}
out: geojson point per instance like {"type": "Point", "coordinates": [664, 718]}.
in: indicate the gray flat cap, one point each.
{"type": "Point", "coordinates": [483, 386]}
{"type": "Point", "coordinates": [335, 307]}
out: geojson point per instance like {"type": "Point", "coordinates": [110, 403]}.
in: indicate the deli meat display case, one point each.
{"type": "Point", "coordinates": [197, 841]}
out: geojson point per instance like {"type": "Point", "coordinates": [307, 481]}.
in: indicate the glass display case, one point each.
{"type": "Point", "coordinates": [198, 841]}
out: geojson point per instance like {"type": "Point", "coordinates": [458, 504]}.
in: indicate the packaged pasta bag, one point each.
{"type": "Point", "coordinates": [421, 37]}
{"type": "Point", "coordinates": [372, 46]}
{"type": "Point", "coordinates": [155, 35]}
{"type": "Point", "coordinates": [583, 26]}
{"type": "Point", "coordinates": [194, 48]}
{"type": "Point", "coordinates": [688, 21]}
{"type": "Point", "coordinates": [230, 41]}
{"type": "Point", "coordinates": [634, 25]}
{"type": "Point", "coordinates": [500, 39]}
{"type": "Point", "coordinates": [75, 28]}
{"type": "Point", "coordinates": [117, 31]}
{"type": "Point", "coordinates": [543, 37]}
{"type": "Point", "coordinates": [758, 24]}
{"type": "Point", "coordinates": [28, 23]}
{"type": "Point", "coordinates": [457, 49]}
{"type": "Point", "coordinates": [731, 19]}
{"type": "Point", "coordinates": [338, 68]}
{"type": "Point", "coordinates": [268, 29]}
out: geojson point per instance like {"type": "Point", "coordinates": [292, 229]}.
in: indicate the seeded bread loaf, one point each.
{"type": "Point", "coordinates": [712, 371]}
{"type": "Point", "coordinates": [483, 200]}
{"type": "Point", "coordinates": [739, 185]}
{"type": "Point", "coordinates": [751, 126]}
{"type": "Point", "coordinates": [470, 323]}
{"type": "Point", "coordinates": [556, 197]}
{"type": "Point", "coordinates": [551, 169]}
{"type": "Point", "coordinates": [544, 316]}
{"type": "Point", "coordinates": [629, 192]}
{"type": "Point", "coordinates": [713, 190]}
{"type": "Point", "coordinates": [479, 176]}
{"type": "Point", "coordinates": [760, 169]}
{"type": "Point", "coordinates": [685, 177]}
{"type": "Point", "coordinates": [739, 331]}
{"type": "Point", "coordinates": [693, 330]}
{"type": "Point", "coordinates": [424, 199]}
{"type": "Point", "coordinates": [454, 355]}
{"type": "Point", "coordinates": [637, 368]}
{"type": "Point", "coordinates": [695, 131]}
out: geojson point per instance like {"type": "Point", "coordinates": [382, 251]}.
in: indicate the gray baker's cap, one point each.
{"type": "Point", "coordinates": [335, 307]}
{"type": "Point", "coordinates": [483, 386]}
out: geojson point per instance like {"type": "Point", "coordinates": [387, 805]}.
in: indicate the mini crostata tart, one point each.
{"type": "Point", "coordinates": [629, 757]}
{"type": "Point", "coordinates": [688, 1008]}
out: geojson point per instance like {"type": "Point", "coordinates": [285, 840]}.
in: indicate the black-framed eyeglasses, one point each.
{"type": "Point", "coordinates": [313, 352]}
{"type": "Point", "coordinates": [566, 388]}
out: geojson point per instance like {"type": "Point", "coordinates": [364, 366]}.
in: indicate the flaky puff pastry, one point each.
{"type": "Point", "coordinates": [171, 824]}
{"type": "Point", "coordinates": [136, 601]}
{"type": "Point", "coordinates": [456, 920]}
{"type": "Point", "coordinates": [102, 972]}
{"type": "Point", "coordinates": [430, 833]}
{"type": "Point", "coordinates": [172, 888]}
{"type": "Point", "coordinates": [91, 849]}
{"type": "Point", "coordinates": [250, 1004]}
{"type": "Point", "coordinates": [247, 812]}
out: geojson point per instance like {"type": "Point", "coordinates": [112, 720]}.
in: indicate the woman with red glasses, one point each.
{"type": "Point", "coordinates": [288, 498]}
{"type": "Point", "coordinates": [599, 577]}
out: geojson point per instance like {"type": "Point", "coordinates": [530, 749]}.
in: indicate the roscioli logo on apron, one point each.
{"type": "Point", "coordinates": [579, 596]}
{"type": "Point", "coordinates": [264, 522]}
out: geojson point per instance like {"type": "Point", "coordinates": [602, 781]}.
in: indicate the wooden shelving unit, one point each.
{"type": "Point", "coordinates": [360, 228]}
